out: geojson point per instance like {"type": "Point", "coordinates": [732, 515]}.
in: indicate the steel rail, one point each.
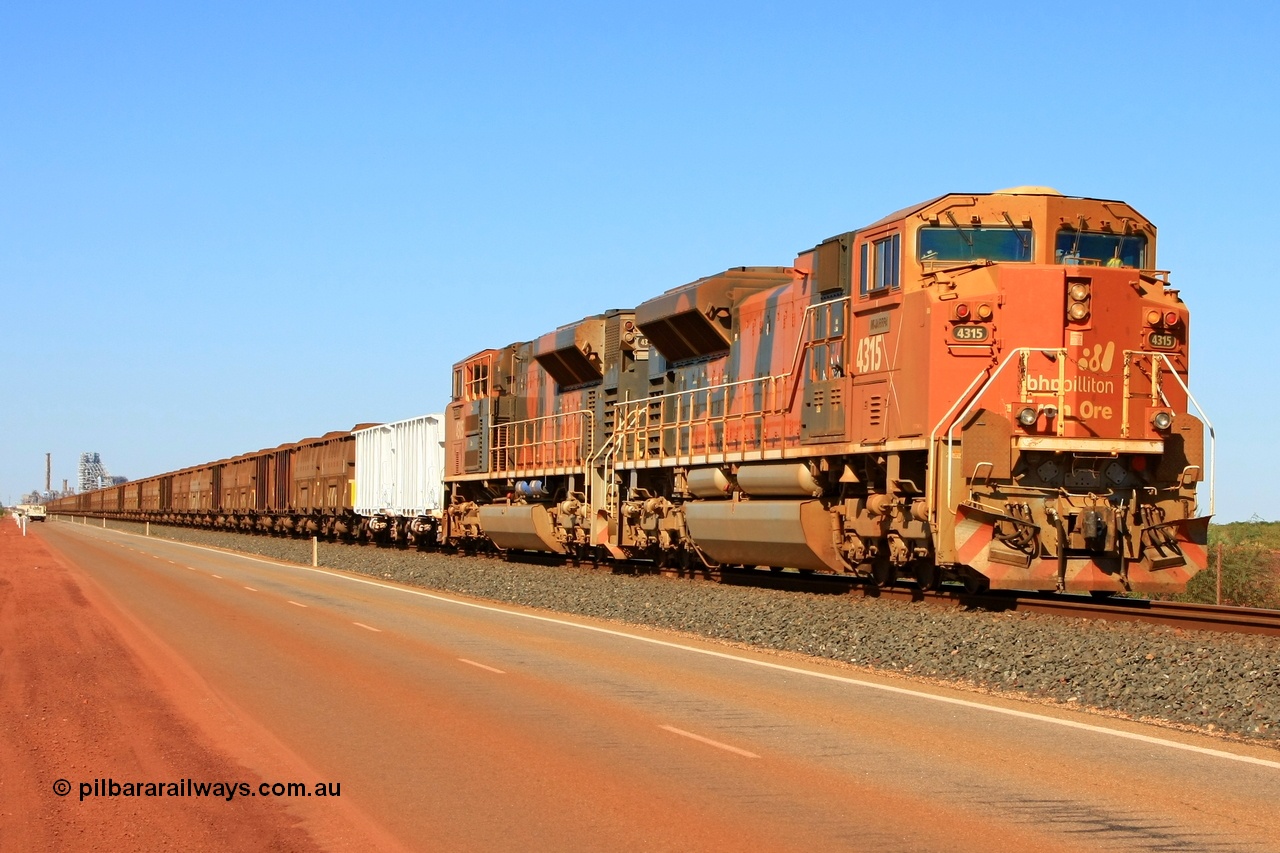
{"type": "Point", "coordinates": [1175, 614]}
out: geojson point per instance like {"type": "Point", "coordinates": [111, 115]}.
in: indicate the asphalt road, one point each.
{"type": "Point", "coordinates": [456, 725]}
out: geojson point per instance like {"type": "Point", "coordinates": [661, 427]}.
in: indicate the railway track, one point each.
{"type": "Point", "coordinates": [1175, 614]}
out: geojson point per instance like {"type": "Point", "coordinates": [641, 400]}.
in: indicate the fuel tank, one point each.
{"type": "Point", "coordinates": [778, 480]}
{"type": "Point", "coordinates": [522, 527]}
{"type": "Point", "coordinates": [788, 534]}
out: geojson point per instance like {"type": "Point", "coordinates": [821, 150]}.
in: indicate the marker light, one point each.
{"type": "Point", "coordinates": [1027, 417]}
{"type": "Point", "coordinates": [1171, 318]}
{"type": "Point", "coordinates": [1162, 420]}
{"type": "Point", "coordinates": [1153, 317]}
{"type": "Point", "coordinates": [1079, 292]}
{"type": "Point", "coordinates": [984, 311]}
{"type": "Point", "coordinates": [1078, 311]}
{"type": "Point", "coordinates": [1050, 412]}
{"type": "Point", "coordinates": [962, 311]}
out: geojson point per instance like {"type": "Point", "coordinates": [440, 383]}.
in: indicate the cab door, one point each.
{"type": "Point", "coordinates": [876, 331]}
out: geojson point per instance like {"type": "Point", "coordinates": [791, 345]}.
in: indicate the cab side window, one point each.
{"type": "Point", "coordinates": [478, 381]}
{"type": "Point", "coordinates": [880, 265]}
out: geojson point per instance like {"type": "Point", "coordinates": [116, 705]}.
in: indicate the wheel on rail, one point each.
{"type": "Point", "coordinates": [926, 573]}
{"type": "Point", "coordinates": [975, 583]}
{"type": "Point", "coordinates": [883, 572]}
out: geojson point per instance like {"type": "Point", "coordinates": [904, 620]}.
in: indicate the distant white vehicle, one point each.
{"type": "Point", "coordinates": [35, 512]}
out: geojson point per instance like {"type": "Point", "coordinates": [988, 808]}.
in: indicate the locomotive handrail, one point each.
{"type": "Point", "coordinates": [802, 342]}
{"type": "Point", "coordinates": [1157, 393]}
{"type": "Point", "coordinates": [611, 443]}
{"type": "Point", "coordinates": [608, 453]}
{"type": "Point", "coordinates": [931, 497]}
{"type": "Point", "coordinates": [563, 417]}
{"type": "Point", "coordinates": [931, 491]}
{"type": "Point", "coordinates": [1023, 353]}
{"type": "Point", "coordinates": [1213, 438]}
{"type": "Point", "coordinates": [695, 396]}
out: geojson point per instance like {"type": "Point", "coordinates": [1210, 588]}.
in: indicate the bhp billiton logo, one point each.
{"type": "Point", "coordinates": [1096, 359]}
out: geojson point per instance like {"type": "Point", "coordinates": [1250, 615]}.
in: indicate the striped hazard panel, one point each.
{"type": "Point", "coordinates": [974, 532]}
{"type": "Point", "coordinates": [1193, 539]}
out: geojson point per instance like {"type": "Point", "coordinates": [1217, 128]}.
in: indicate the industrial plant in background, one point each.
{"type": "Point", "coordinates": [94, 475]}
{"type": "Point", "coordinates": [48, 495]}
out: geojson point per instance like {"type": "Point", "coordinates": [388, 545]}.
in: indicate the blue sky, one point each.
{"type": "Point", "coordinates": [225, 228]}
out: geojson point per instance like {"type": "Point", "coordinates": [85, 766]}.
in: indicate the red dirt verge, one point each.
{"type": "Point", "coordinates": [77, 703]}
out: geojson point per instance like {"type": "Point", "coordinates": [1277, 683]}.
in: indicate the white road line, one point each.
{"type": "Point", "coordinates": [367, 627]}
{"type": "Point", "coordinates": [825, 676]}
{"type": "Point", "coordinates": [709, 742]}
{"type": "Point", "coordinates": [482, 666]}
{"type": "Point", "coordinates": [296, 604]}
{"type": "Point", "coordinates": [251, 589]}
{"type": "Point", "coordinates": [779, 667]}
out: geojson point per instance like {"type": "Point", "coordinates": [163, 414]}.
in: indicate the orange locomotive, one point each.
{"type": "Point", "coordinates": [992, 387]}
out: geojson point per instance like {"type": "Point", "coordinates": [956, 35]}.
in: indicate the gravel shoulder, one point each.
{"type": "Point", "coordinates": [1223, 684]}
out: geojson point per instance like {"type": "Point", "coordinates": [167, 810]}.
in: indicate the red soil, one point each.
{"type": "Point", "coordinates": [78, 704]}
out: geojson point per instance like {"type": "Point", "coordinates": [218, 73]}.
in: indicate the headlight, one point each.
{"type": "Point", "coordinates": [1079, 292]}
{"type": "Point", "coordinates": [1162, 420]}
{"type": "Point", "coordinates": [1078, 311]}
{"type": "Point", "coordinates": [1027, 417]}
